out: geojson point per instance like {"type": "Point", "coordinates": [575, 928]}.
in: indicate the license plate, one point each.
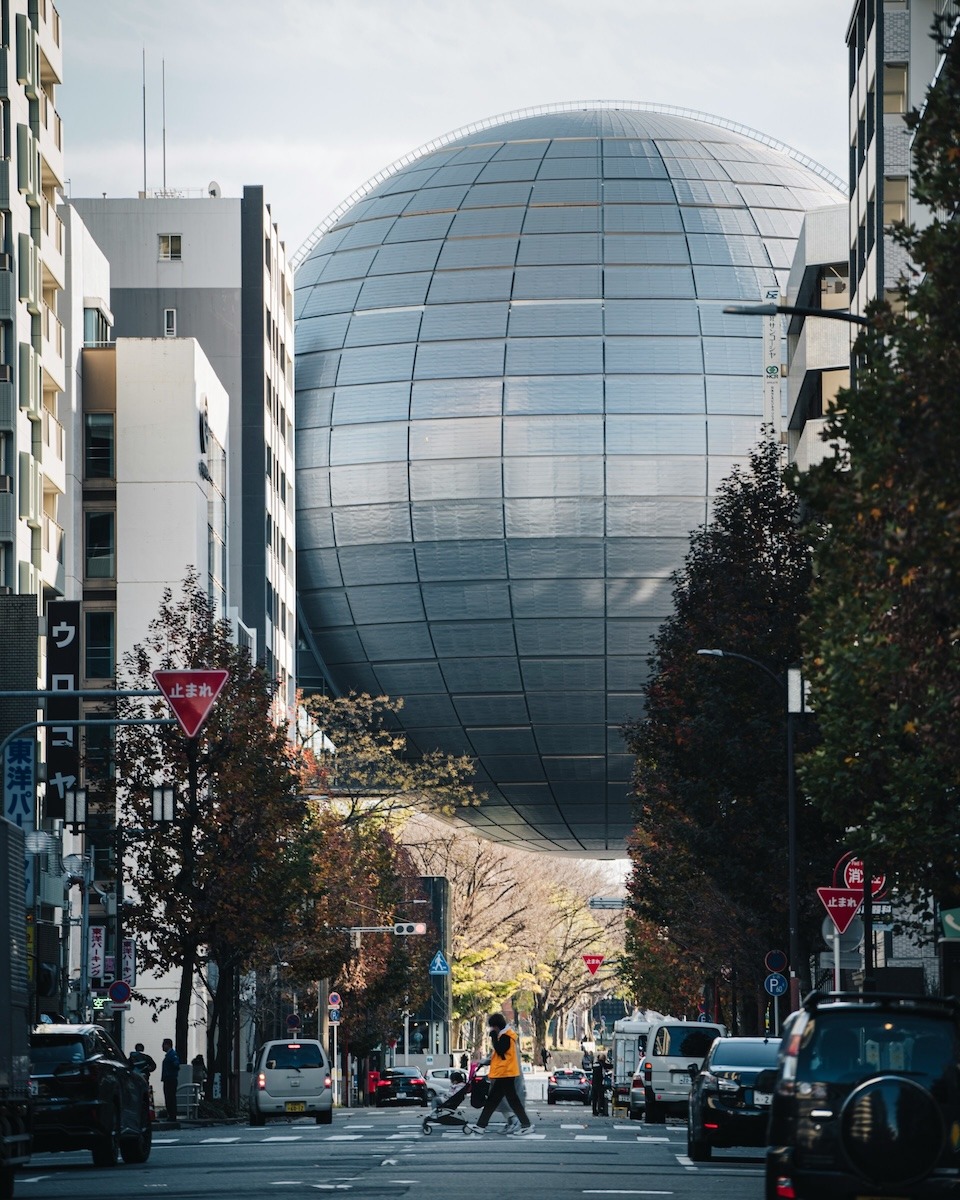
{"type": "Point", "coordinates": [682, 1080]}
{"type": "Point", "coordinates": [295, 1106]}
{"type": "Point", "coordinates": [762, 1099]}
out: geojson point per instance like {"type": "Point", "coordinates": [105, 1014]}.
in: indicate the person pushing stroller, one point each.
{"type": "Point", "coordinates": [505, 1070]}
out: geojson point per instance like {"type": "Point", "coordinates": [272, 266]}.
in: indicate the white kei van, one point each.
{"type": "Point", "coordinates": [291, 1079]}
{"type": "Point", "coordinates": [672, 1046]}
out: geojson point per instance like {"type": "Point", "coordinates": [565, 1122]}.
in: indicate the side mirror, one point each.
{"type": "Point", "coordinates": [250, 1066]}
{"type": "Point", "coordinates": [694, 1070]}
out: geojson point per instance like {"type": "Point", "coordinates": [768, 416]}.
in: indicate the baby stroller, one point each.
{"type": "Point", "coordinates": [445, 1110]}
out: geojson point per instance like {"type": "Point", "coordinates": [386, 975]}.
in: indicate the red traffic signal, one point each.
{"type": "Point", "coordinates": [405, 927]}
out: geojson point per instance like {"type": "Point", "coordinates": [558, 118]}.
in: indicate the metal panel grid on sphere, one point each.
{"type": "Point", "coordinates": [516, 393]}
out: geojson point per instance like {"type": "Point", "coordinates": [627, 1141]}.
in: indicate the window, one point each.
{"type": "Point", "coordinates": [169, 322]}
{"type": "Point", "coordinates": [98, 446]}
{"type": "Point", "coordinates": [894, 200]}
{"type": "Point", "coordinates": [100, 529]}
{"type": "Point", "coordinates": [169, 247]}
{"type": "Point", "coordinates": [99, 653]}
{"type": "Point", "coordinates": [894, 89]}
{"type": "Point", "coordinates": [96, 329]}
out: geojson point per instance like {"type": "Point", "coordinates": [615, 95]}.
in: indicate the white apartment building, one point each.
{"type": "Point", "coordinates": [32, 367]}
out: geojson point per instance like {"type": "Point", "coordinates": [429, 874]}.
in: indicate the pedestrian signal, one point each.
{"type": "Point", "coordinates": [405, 927]}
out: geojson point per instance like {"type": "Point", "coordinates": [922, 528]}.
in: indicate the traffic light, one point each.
{"type": "Point", "coordinates": [405, 927]}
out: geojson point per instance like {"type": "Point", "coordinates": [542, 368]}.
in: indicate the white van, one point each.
{"type": "Point", "coordinates": [291, 1079]}
{"type": "Point", "coordinates": [672, 1046]}
{"type": "Point", "coordinates": [629, 1045]}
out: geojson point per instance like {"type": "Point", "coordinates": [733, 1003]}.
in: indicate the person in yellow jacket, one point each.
{"type": "Point", "coordinates": [505, 1070]}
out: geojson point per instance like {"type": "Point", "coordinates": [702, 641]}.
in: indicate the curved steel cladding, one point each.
{"type": "Point", "coordinates": [516, 393]}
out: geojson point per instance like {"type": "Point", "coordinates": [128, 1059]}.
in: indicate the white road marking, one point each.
{"type": "Point", "coordinates": [160, 1142]}
{"type": "Point", "coordinates": [621, 1192]}
{"type": "Point", "coordinates": [218, 1141]}
{"type": "Point", "coordinates": [590, 1137]}
{"type": "Point", "coordinates": [285, 1138]}
{"type": "Point", "coordinates": [685, 1162]}
{"type": "Point", "coordinates": [394, 1137]}
{"type": "Point", "coordinates": [573, 1126]}
{"type": "Point", "coordinates": [649, 1139]}
{"type": "Point", "coordinates": [343, 1137]}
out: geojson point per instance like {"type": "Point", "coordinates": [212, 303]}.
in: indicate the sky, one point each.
{"type": "Point", "coordinates": [311, 98]}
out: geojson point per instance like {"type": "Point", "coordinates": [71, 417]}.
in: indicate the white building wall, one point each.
{"type": "Point", "coordinates": [163, 386]}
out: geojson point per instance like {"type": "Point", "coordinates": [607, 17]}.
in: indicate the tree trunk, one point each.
{"type": "Point", "coordinates": [184, 998]}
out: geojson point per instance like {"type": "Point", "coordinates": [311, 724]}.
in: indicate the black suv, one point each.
{"type": "Point", "coordinates": [87, 1096]}
{"type": "Point", "coordinates": [867, 1101]}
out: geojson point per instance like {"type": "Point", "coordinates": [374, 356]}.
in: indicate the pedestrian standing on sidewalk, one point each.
{"type": "Point", "coordinates": [597, 1094]}
{"type": "Point", "coordinates": [505, 1070]}
{"type": "Point", "coordinates": [169, 1074]}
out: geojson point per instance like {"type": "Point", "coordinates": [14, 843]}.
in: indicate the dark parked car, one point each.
{"type": "Point", "coordinates": [731, 1094]}
{"type": "Point", "coordinates": [568, 1084]}
{"type": "Point", "coordinates": [87, 1096]}
{"type": "Point", "coordinates": [402, 1085]}
{"type": "Point", "coordinates": [867, 1099]}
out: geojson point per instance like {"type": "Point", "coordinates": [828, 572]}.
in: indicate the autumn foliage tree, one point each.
{"type": "Point", "coordinates": [708, 888]}
{"type": "Point", "coordinates": [882, 638]}
{"type": "Point", "coordinates": [212, 892]}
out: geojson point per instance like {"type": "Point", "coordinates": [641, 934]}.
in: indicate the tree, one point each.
{"type": "Point", "coordinates": [708, 883]}
{"type": "Point", "coordinates": [882, 637]}
{"type": "Point", "coordinates": [212, 891]}
{"type": "Point", "coordinates": [362, 759]}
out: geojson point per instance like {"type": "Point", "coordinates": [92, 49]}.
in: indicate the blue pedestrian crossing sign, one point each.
{"type": "Point", "coordinates": [439, 965]}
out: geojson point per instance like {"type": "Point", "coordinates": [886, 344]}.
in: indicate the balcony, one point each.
{"type": "Point", "coordinates": [52, 350]}
{"type": "Point", "coordinates": [51, 553]}
{"type": "Point", "coordinates": [46, 21]}
{"type": "Point", "coordinates": [54, 466]}
{"type": "Point", "coordinates": [50, 139]}
{"type": "Point", "coordinates": [51, 244]}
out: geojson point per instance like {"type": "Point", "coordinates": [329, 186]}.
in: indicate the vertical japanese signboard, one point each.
{"type": "Point", "coordinates": [772, 402]}
{"type": "Point", "coordinates": [97, 957]}
{"type": "Point", "coordinates": [20, 799]}
{"type": "Point", "coordinates": [63, 675]}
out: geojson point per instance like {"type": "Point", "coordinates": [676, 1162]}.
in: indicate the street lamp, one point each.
{"type": "Point", "coordinates": [795, 310]}
{"type": "Point", "coordinates": [791, 689]}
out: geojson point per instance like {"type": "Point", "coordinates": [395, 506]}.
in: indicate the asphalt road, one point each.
{"type": "Point", "coordinates": [384, 1153]}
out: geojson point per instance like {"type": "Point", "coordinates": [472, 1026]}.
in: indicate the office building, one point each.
{"type": "Point", "coordinates": [214, 269]}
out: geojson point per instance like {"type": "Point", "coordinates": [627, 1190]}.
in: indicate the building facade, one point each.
{"type": "Point", "coordinates": [32, 370]}
{"type": "Point", "coordinates": [516, 394]}
{"type": "Point", "coordinates": [214, 269]}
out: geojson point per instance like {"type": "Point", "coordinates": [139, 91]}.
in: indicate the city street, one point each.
{"type": "Point", "coordinates": [369, 1152]}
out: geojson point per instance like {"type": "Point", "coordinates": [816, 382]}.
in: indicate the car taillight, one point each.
{"type": "Point", "coordinates": [326, 1081]}
{"type": "Point", "coordinates": [383, 1083]}
{"type": "Point", "coordinates": [552, 1079]}
{"type": "Point", "coordinates": [784, 1189]}
{"type": "Point", "coordinates": [647, 1071]}
{"type": "Point", "coordinates": [262, 1082]}
{"type": "Point", "coordinates": [637, 1081]}
{"type": "Point", "coordinates": [418, 1082]}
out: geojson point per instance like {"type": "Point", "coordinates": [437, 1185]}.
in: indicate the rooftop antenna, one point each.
{"type": "Point", "coordinates": [163, 108]}
{"type": "Point", "coordinates": [144, 77]}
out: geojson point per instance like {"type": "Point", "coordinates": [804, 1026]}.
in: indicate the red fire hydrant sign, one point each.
{"type": "Point", "coordinates": [191, 695]}
{"type": "Point", "coordinates": [593, 961]}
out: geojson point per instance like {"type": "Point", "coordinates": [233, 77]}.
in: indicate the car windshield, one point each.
{"type": "Point", "coordinates": [731, 1054]}
{"type": "Point", "coordinates": [48, 1052]}
{"type": "Point", "coordinates": [846, 1044]}
{"type": "Point", "coordinates": [294, 1055]}
{"type": "Point", "coordinates": [401, 1073]}
{"type": "Point", "coordinates": [682, 1041]}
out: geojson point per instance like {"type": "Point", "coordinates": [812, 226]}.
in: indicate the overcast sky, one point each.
{"type": "Point", "coordinates": [312, 97]}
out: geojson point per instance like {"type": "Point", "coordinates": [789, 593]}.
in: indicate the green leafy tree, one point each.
{"type": "Point", "coordinates": [708, 881]}
{"type": "Point", "coordinates": [217, 887]}
{"type": "Point", "coordinates": [882, 638]}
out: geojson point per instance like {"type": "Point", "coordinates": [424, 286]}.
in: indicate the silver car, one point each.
{"type": "Point", "coordinates": [291, 1079]}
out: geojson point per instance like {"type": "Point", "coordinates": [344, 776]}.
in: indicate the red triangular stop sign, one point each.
{"type": "Point", "coordinates": [841, 904]}
{"type": "Point", "coordinates": [191, 695]}
{"type": "Point", "coordinates": [593, 961]}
